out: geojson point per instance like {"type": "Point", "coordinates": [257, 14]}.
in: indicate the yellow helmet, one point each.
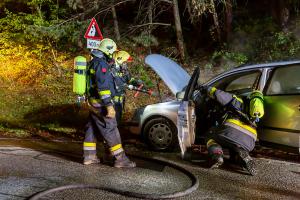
{"type": "Point", "coordinates": [107, 46]}
{"type": "Point", "coordinates": [121, 56]}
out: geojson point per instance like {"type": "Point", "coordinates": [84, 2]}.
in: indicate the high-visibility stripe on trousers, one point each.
{"type": "Point", "coordinates": [117, 149]}
{"type": "Point", "coordinates": [89, 149]}
{"type": "Point", "coordinates": [89, 144]}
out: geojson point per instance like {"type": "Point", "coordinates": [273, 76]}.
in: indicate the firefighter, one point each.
{"type": "Point", "coordinates": [102, 113]}
{"type": "Point", "coordinates": [122, 79]}
{"type": "Point", "coordinates": [236, 130]}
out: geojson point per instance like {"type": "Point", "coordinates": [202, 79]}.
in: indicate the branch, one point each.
{"type": "Point", "coordinates": [114, 5]}
{"type": "Point", "coordinates": [72, 18]}
{"type": "Point", "coordinates": [88, 11]}
{"type": "Point", "coordinates": [167, 1]}
{"type": "Point", "coordinates": [147, 24]}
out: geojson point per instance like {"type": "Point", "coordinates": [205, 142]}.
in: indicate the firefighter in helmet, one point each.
{"type": "Point", "coordinates": [102, 118]}
{"type": "Point", "coordinates": [123, 80]}
{"type": "Point", "coordinates": [236, 129]}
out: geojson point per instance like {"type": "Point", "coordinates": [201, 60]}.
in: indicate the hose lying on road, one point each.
{"type": "Point", "coordinates": [192, 188]}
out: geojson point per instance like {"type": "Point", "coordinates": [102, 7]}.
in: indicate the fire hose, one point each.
{"type": "Point", "coordinates": [192, 188]}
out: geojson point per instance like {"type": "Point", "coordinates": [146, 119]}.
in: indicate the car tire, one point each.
{"type": "Point", "coordinates": [161, 134]}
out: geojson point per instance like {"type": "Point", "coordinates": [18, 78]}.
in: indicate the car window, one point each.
{"type": "Point", "coordinates": [239, 83]}
{"type": "Point", "coordinates": [285, 80]}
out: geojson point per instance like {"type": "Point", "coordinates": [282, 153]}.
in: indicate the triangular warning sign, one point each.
{"type": "Point", "coordinates": [93, 31]}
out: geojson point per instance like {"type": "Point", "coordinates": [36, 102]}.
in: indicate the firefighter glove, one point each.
{"type": "Point", "coordinates": [111, 113]}
{"type": "Point", "coordinates": [130, 87]}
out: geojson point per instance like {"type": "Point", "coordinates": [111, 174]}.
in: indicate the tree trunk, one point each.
{"type": "Point", "coordinates": [216, 21]}
{"type": "Point", "coordinates": [228, 19]}
{"type": "Point", "coordinates": [280, 13]}
{"type": "Point", "coordinates": [39, 10]}
{"type": "Point", "coordinates": [116, 24]}
{"type": "Point", "coordinates": [150, 18]}
{"type": "Point", "coordinates": [180, 41]}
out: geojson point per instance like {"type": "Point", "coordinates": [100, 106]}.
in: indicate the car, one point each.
{"type": "Point", "coordinates": [161, 123]}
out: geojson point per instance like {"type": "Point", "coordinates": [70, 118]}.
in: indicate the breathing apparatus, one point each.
{"type": "Point", "coordinates": [256, 110]}
{"type": "Point", "coordinates": [80, 78]}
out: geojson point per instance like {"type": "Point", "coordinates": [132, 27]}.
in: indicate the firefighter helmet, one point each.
{"type": "Point", "coordinates": [121, 56]}
{"type": "Point", "coordinates": [107, 46]}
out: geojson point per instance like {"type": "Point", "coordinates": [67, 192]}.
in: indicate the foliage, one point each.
{"type": "Point", "coordinates": [227, 59]}
{"type": "Point", "coordinates": [146, 40]}
{"type": "Point", "coordinates": [278, 46]}
{"type": "Point", "coordinates": [18, 60]}
{"type": "Point", "coordinates": [261, 40]}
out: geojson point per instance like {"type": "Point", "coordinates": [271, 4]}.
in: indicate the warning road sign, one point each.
{"type": "Point", "coordinates": [93, 31]}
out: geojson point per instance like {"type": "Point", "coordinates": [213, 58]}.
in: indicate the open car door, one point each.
{"type": "Point", "coordinates": [186, 117]}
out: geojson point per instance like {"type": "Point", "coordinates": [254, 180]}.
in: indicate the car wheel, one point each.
{"type": "Point", "coordinates": [161, 134]}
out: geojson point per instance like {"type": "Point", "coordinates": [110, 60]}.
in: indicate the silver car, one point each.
{"type": "Point", "coordinates": [279, 82]}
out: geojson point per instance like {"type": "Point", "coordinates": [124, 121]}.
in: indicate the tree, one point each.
{"type": "Point", "coordinates": [116, 24]}
{"type": "Point", "coordinates": [228, 19]}
{"type": "Point", "coordinates": [280, 13]}
{"type": "Point", "coordinates": [214, 13]}
{"type": "Point", "coordinates": [180, 41]}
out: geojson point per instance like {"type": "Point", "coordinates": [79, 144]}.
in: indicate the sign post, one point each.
{"type": "Point", "coordinates": [93, 35]}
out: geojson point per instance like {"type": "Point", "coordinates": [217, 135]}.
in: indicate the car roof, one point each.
{"type": "Point", "coordinates": [267, 65]}
{"type": "Point", "coordinates": [253, 66]}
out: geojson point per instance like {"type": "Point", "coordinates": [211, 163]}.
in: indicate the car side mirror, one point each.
{"type": "Point", "coordinates": [180, 95]}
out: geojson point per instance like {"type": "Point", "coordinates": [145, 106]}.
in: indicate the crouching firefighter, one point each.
{"type": "Point", "coordinates": [123, 80]}
{"type": "Point", "coordinates": [236, 130]}
{"type": "Point", "coordinates": [102, 118]}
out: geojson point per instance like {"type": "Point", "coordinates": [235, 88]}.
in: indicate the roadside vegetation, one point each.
{"type": "Point", "coordinates": [40, 38]}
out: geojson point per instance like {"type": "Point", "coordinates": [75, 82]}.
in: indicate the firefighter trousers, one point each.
{"type": "Point", "coordinates": [227, 137]}
{"type": "Point", "coordinates": [97, 125]}
{"type": "Point", "coordinates": [119, 111]}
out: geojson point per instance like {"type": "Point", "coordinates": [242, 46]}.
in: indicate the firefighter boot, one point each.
{"type": "Point", "coordinates": [107, 156]}
{"type": "Point", "coordinates": [122, 161]}
{"type": "Point", "coordinates": [215, 154]}
{"type": "Point", "coordinates": [91, 160]}
{"type": "Point", "coordinates": [247, 162]}
{"type": "Point", "coordinates": [216, 161]}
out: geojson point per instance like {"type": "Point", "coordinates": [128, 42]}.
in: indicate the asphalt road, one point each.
{"type": "Point", "coordinates": [30, 166]}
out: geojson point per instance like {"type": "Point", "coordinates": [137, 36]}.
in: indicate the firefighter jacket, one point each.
{"type": "Point", "coordinates": [237, 118]}
{"type": "Point", "coordinates": [121, 79]}
{"type": "Point", "coordinates": [101, 82]}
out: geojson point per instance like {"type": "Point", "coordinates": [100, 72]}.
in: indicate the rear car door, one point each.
{"type": "Point", "coordinates": [281, 123]}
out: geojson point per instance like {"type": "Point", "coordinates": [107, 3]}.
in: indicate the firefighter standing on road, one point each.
{"type": "Point", "coordinates": [122, 79]}
{"type": "Point", "coordinates": [237, 130]}
{"type": "Point", "coordinates": [102, 113]}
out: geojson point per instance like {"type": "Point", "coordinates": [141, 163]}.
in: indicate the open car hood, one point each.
{"type": "Point", "coordinates": [174, 76]}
